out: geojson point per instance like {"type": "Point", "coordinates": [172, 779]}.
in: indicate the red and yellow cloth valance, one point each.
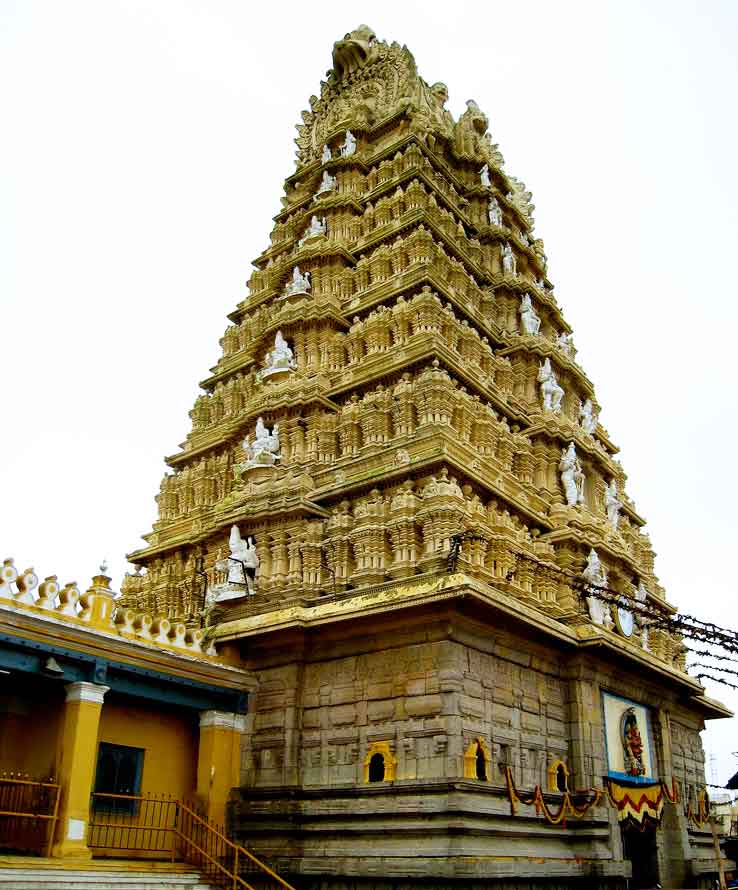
{"type": "Point", "coordinates": [640, 802]}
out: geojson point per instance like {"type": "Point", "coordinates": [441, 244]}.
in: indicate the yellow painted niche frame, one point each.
{"type": "Point", "coordinates": [390, 761]}
{"type": "Point", "coordinates": [470, 759]}
{"type": "Point", "coordinates": [552, 774]}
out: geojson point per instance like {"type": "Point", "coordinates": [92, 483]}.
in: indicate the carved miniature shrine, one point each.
{"type": "Point", "coordinates": [398, 509]}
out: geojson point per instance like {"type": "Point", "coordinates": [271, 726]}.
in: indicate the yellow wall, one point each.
{"type": "Point", "coordinates": [30, 718]}
{"type": "Point", "coordinates": [169, 737]}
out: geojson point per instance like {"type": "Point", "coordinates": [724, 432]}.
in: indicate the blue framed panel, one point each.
{"type": "Point", "coordinates": [629, 745]}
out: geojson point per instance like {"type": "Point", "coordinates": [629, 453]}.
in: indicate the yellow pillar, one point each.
{"type": "Point", "coordinates": [77, 761]}
{"type": "Point", "coordinates": [219, 760]}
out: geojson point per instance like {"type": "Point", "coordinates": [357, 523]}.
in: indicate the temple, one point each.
{"type": "Point", "coordinates": [398, 516]}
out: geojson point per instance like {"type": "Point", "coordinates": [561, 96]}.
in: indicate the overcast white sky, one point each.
{"type": "Point", "coordinates": [143, 152]}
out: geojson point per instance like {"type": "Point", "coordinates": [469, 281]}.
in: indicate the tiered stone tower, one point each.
{"type": "Point", "coordinates": [394, 473]}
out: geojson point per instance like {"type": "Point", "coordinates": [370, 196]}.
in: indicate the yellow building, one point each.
{"type": "Point", "coordinates": [96, 706]}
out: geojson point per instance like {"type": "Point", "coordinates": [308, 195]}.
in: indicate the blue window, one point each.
{"type": "Point", "coordinates": [119, 771]}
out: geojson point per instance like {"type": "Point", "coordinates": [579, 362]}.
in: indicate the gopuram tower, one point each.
{"type": "Point", "coordinates": [398, 509]}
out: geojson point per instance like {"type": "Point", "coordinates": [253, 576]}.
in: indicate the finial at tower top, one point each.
{"type": "Point", "coordinates": [352, 52]}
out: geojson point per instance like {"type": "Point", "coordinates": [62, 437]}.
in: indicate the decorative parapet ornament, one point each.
{"type": "Point", "coordinates": [96, 610]}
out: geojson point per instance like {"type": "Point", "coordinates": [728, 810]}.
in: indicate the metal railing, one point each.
{"type": "Point", "coordinates": [220, 860]}
{"type": "Point", "coordinates": [143, 822]}
{"type": "Point", "coordinates": [28, 812]}
{"type": "Point", "coordinates": [162, 825]}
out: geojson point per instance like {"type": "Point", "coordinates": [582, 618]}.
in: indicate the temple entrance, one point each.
{"type": "Point", "coordinates": [639, 846]}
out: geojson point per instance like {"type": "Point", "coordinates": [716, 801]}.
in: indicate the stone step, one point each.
{"type": "Point", "coordinates": [90, 879]}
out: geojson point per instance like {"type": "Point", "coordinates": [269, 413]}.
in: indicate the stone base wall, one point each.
{"type": "Point", "coordinates": [426, 691]}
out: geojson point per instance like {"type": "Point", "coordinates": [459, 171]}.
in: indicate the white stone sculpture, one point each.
{"type": "Point", "coordinates": [565, 343]}
{"type": "Point", "coordinates": [316, 229]}
{"type": "Point", "coordinates": [279, 360]}
{"type": "Point", "coordinates": [494, 212]}
{"type": "Point", "coordinates": [349, 145]}
{"type": "Point", "coordinates": [612, 504]}
{"type": "Point", "coordinates": [588, 417]}
{"type": "Point", "coordinates": [572, 476]}
{"type": "Point", "coordinates": [484, 177]}
{"type": "Point", "coordinates": [327, 183]}
{"type": "Point", "coordinates": [299, 283]}
{"type": "Point", "coordinates": [509, 265]}
{"type": "Point", "coordinates": [641, 594]}
{"type": "Point", "coordinates": [529, 318]}
{"type": "Point", "coordinates": [240, 570]}
{"type": "Point", "coordinates": [551, 391]}
{"type": "Point", "coordinates": [541, 284]}
{"type": "Point", "coordinates": [264, 450]}
{"type": "Point", "coordinates": [595, 574]}
{"type": "Point", "coordinates": [326, 156]}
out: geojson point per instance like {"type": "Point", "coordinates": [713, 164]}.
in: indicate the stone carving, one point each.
{"type": "Point", "coordinates": [572, 476]}
{"type": "Point", "coordinates": [243, 560]}
{"type": "Point", "coordinates": [529, 318]}
{"type": "Point", "coordinates": [595, 574]}
{"type": "Point", "coordinates": [551, 391]}
{"type": "Point", "coordinates": [588, 417]}
{"type": "Point", "coordinates": [327, 184]}
{"type": "Point", "coordinates": [240, 569]}
{"type": "Point", "coordinates": [316, 229]}
{"type": "Point", "coordinates": [521, 198]}
{"type": "Point", "coordinates": [279, 360]}
{"type": "Point", "coordinates": [429, 111]}
{"type": "Point", "coordinates": [509, 264]}
{"type": "Point", "coordinates": [565, 343]}
{"type": "Point", "coordinates": [353, 52]}
{"type": "Point", "coordinates": [494, 212]}
{"type": "Point", "coordinates": [378, 431]}
{"type": "Point", "coordinates": [612, 504]}
{"type": "Point", "coordinates": [264, 450]}
{"type": "Point", "coordinates": [348, 147]}
{"type": "Point", "coordinates": [298, 284]}
{"type": "Point", "coordinates": [470, 131]}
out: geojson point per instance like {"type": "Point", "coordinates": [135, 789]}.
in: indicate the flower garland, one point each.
{"type": "Point", "coordinates": [536, 799]}
{"type": "Point", "coordinates": [703, 810]}
{"type": "Point", "coordinates": [648, 805]}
